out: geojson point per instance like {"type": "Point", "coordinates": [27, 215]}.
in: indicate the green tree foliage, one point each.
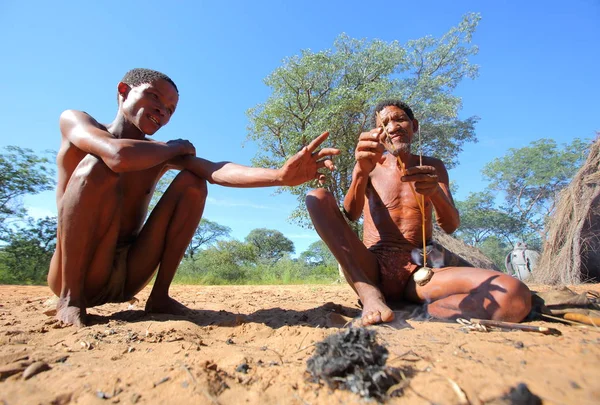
{"type": "Point", "coordinates": [496, 249]}
{"type": "Point", "coordinates": [234, 262]}
{"type": "Point", "coordinates": [225, 262]}
{"type": "Point", "coordinates": [26, 256]}
{"type": "Point", "coordinates": [336, 89]}
{"type": "Point", "coordinates": [270, 244]}
{"type": "Point", "coordinates": [318, 254]}
{"type": "Point", "coordinates": [207, 233]}
{"type": "Point", "coordinates": [531, 177]}
{"type": "Point", "coordinates": [480, 219]}
{"type": "Point", "coordinates": [21, 172]}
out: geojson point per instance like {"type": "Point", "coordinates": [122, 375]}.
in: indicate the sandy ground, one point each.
{"type": "Point", "coordinates": [128, 357]}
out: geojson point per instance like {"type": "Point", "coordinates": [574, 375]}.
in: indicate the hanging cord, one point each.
{"type": "Point", "coordinates": [422, 206]}
{"type": "Point", "coordinates": [389, 146]}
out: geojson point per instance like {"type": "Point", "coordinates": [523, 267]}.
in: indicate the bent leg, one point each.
{"type": "Point", "coordinates": [359, 264]}
{"type": "Point", "coordinates": [163, 241]}
{"type": "Point", "coordinates": [88, 225]}
{"type": "Point", "coordinates": [466, 292]}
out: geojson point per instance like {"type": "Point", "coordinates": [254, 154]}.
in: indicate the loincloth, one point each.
{"type": "Point", "coordinates": [395, 269]}
{"type": "Point", "coordinates": [113, 290]}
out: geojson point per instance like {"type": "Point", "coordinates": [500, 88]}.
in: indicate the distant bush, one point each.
{"type": "Point", "coordinates": [284, 271]}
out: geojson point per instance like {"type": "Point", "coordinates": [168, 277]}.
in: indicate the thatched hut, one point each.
{"type": "Point", "coordinates": [572, 252]}
{"type": "Point", "coordinates": [470, 255]}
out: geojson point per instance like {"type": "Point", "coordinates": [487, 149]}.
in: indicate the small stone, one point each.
{"type": "Point", "coordinates": [35, 368]}
{"type": "Point", "coordinates": [243, 368]}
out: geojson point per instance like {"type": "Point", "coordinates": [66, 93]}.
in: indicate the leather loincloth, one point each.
{"type": "Point", "coordinates": [113, 290]}
{"type": "Point", "coordinates": [395, 269]}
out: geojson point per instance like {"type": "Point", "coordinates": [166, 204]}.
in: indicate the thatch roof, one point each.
{"type": "Point", "coordinates": [572, 252]}
{"type": "Point", "coordinates": [471, 255]}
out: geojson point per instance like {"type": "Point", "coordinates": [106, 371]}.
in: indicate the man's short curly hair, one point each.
{"type": "Point", "coordinates": [390, 102]}
{"type": "Point", "coordinates": [138, 76]}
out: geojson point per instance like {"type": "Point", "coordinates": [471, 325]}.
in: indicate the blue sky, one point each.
{"type": "Point", "coordinates": [538, 74]}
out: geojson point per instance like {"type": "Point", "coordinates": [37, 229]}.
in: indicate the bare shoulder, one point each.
{"type": "Point", "coordinates": [435, 162]}
{"type": "Point", "coordinates": [74, 118]}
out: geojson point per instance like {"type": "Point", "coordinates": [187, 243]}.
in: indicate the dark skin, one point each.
{"type": "Point", "coordinates": [106, 177]}
{"type": "Point", "coordinates": [392, 219]}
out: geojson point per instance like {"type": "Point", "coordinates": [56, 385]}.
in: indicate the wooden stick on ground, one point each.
{"type": "Point", "coordinates": [515, 326]}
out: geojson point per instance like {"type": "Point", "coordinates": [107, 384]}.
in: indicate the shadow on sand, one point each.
{"type": "Point", "coordinates": [328, 315]}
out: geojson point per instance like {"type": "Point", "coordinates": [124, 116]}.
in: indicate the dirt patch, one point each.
{"type": "Point", "coordinates": [250, 344]}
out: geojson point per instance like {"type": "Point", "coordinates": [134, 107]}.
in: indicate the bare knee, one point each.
{"type": "Point", "coordinates": [319, 198]}
{"type": "Point", "coordinates": [515, 303]}
{"type": "Point", "coordinates": [192, 186]}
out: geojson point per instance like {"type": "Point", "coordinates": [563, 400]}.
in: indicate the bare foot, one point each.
{"type": "Point", "coordinates": [70, 314]}
{"type": "Point", "coordinates": [166, 306]}
{"type": "Point", "coordinates": [375, 311]}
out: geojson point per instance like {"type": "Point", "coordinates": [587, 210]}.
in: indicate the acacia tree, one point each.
{"type": "Point", "coordinates": [336, 89]}
{"type": "Point", "coordinates": [26, 256]}
{"type": "Point", "coordinates": [531, 177]}
{"type": "Point", "coordinates": [207, 233]}
{"type": "Point", "coordinates": [21, 172]}
{"type": "Point", "coordinates": [480, 219]}
{"type": "Point", "coordinates": [226, 261]}
{"type": "Point", "coordinates": [318, 254]}
{"type": "Point", "coordinates": [270, 244]}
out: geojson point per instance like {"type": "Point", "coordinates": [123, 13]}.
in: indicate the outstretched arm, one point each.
{"type": "Point", "coordinates": [120, 155]}
{"type": "Point", "coordinates": [432, 182]}
{"type": "Point", "coordinates": [298, 169]}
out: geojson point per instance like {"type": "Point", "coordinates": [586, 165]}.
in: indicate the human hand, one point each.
{"type": "Point", "coordinates": [182, 146]}
{"type": "Point", "coordinates": [369, 150]}
{"type": "Point", "coordinates": [424, 177]}
{"type": "Point", "coordinates": [304, 165]}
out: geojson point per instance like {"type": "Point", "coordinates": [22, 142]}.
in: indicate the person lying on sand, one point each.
{"type": "Point", "coordinates": [105, 252]}
{"type": "Point", "coordinates": [380, 268]}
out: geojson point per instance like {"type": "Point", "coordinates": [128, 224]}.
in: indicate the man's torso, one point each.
{"type": "Point", "coordinates": [136, 187]}
{"type": "Point", "coordinates": [392, 218]}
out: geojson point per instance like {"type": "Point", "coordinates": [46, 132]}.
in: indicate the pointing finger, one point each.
{"type": "Point", "coordinates": [317, 141]}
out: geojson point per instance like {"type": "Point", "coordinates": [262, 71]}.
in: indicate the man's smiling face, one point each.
{"type": "Point", "coordinates": [149, 106]}
{"type": "Point", "coordinates": [399, 125]}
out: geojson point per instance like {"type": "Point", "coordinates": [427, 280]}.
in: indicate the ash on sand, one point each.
{"type": "Point", "coordinates": [353, 360]}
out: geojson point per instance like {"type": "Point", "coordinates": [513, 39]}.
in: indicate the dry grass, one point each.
{"type": "Point", "coordinates": [471, 254]}
{"type": "Point", "coordinates": [572, 252]}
